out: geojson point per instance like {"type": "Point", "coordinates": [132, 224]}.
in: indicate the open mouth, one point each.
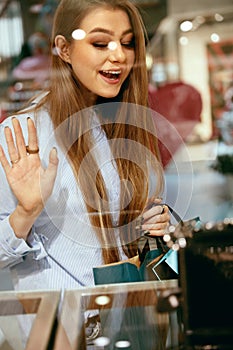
{"type": "Point", "coordinates": [112, 75]}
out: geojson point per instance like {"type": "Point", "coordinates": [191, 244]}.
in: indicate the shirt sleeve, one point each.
{"type": "Point", "coordinates": [13, 249]}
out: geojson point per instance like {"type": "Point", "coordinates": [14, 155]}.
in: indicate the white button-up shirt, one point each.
{"type": "Point", "coordinates": [62, 247]}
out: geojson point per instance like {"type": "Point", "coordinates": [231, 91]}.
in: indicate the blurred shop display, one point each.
{"type": "Point", "coordinates": [204, 300]}
{"type": "Point", "coordinates": [29, 75]}
{"type": "Point", "coordinates": [35, 66]}
{"type": "Point", "coordinates": [24, 56]}
{"type": "Point", "coordinates": [225, 126]}
{"type": "Point", "coordinates": [220, 63]}
{"type": "Point", "coordinates": [180, 104]}
{"type": "Point", "coordinates": [46, 12]}
{"type": "Point", "coordinates": [224, 159]}
{"type": "Point", "coordinates": [225, 123]}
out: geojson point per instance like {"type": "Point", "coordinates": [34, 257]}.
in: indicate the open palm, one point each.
{"type": "Point", "coordinates": [29, 181]}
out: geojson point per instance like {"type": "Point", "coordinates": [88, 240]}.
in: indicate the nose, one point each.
{"type": "Point", "coordinates": [117, 53]}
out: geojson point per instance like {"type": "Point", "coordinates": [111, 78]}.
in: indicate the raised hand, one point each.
{"type": "Point", "coordinates": [29, 181]}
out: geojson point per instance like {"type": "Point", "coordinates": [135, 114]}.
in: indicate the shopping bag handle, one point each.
{"type": "Point", "coordinates": [172, 211]}
{"type": "Point", "coordinates": [175, 214]}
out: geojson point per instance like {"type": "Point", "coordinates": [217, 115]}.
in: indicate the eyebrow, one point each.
{"type": "Point", "coordinates": [110, 32]}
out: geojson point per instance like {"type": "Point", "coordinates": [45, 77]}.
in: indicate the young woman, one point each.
{"type": "Point", "coordinates": [80, 164]}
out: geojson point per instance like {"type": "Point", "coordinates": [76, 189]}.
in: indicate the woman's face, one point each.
{"type": "Point", "coordinates": [103, 53]}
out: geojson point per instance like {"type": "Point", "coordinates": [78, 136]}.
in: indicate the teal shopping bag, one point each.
{"type": "Point", "coordinates": [156, 263]}
{"type": "Point", "coordinates": [155, 266]}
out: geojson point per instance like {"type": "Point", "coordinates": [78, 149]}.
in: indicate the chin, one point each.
{"type": "Point", "coordinates": [109, 95]}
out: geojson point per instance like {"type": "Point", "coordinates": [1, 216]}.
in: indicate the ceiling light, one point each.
{"type": "Point", "coordinates": [218, 17]}
{"type": "Point", "coordinates": [183, 40]}
{"type": "Point", "coordinates": [186, 26]}
{"type": "Point", "coordinates": [215, 37]}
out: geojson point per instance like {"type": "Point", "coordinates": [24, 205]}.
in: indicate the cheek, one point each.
{"type": "Point", "coordinates": [81, 64]}
{"type": "Point", "coordinates": [85, 61]}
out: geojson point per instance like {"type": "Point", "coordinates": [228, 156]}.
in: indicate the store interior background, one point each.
{"type": "Point", "coordinates": [200, 58]}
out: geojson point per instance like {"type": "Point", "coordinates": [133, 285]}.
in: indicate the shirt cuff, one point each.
{"type": "Point", "coordinates": [18, 247]}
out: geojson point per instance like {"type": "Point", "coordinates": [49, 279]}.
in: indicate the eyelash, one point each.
{"type": "Point", "coordinates": [129, 44]}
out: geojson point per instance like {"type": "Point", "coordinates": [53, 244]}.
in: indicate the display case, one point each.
{"type": "Point", "coordinates": [28, 320]}
{"type": "Point", "coordinates": [206, 281]}
{"type": "Point", "coordinates": [128, 316]}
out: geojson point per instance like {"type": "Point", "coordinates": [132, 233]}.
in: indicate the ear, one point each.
{"type": "Point", "coordinates": [63, 48]}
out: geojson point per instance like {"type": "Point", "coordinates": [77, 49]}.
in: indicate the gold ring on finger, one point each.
{"type": "Point", "coordinates": [32, 151]}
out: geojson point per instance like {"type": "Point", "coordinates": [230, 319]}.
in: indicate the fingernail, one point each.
{"type": "Point", "coordinates": [146, 233]}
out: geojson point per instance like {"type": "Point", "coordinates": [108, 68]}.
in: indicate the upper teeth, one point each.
{"type": "Point", "coordinates": [111, 72]}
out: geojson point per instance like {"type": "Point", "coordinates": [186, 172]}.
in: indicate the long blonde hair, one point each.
{"type": "Point", "coordinates": [65, 99]}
